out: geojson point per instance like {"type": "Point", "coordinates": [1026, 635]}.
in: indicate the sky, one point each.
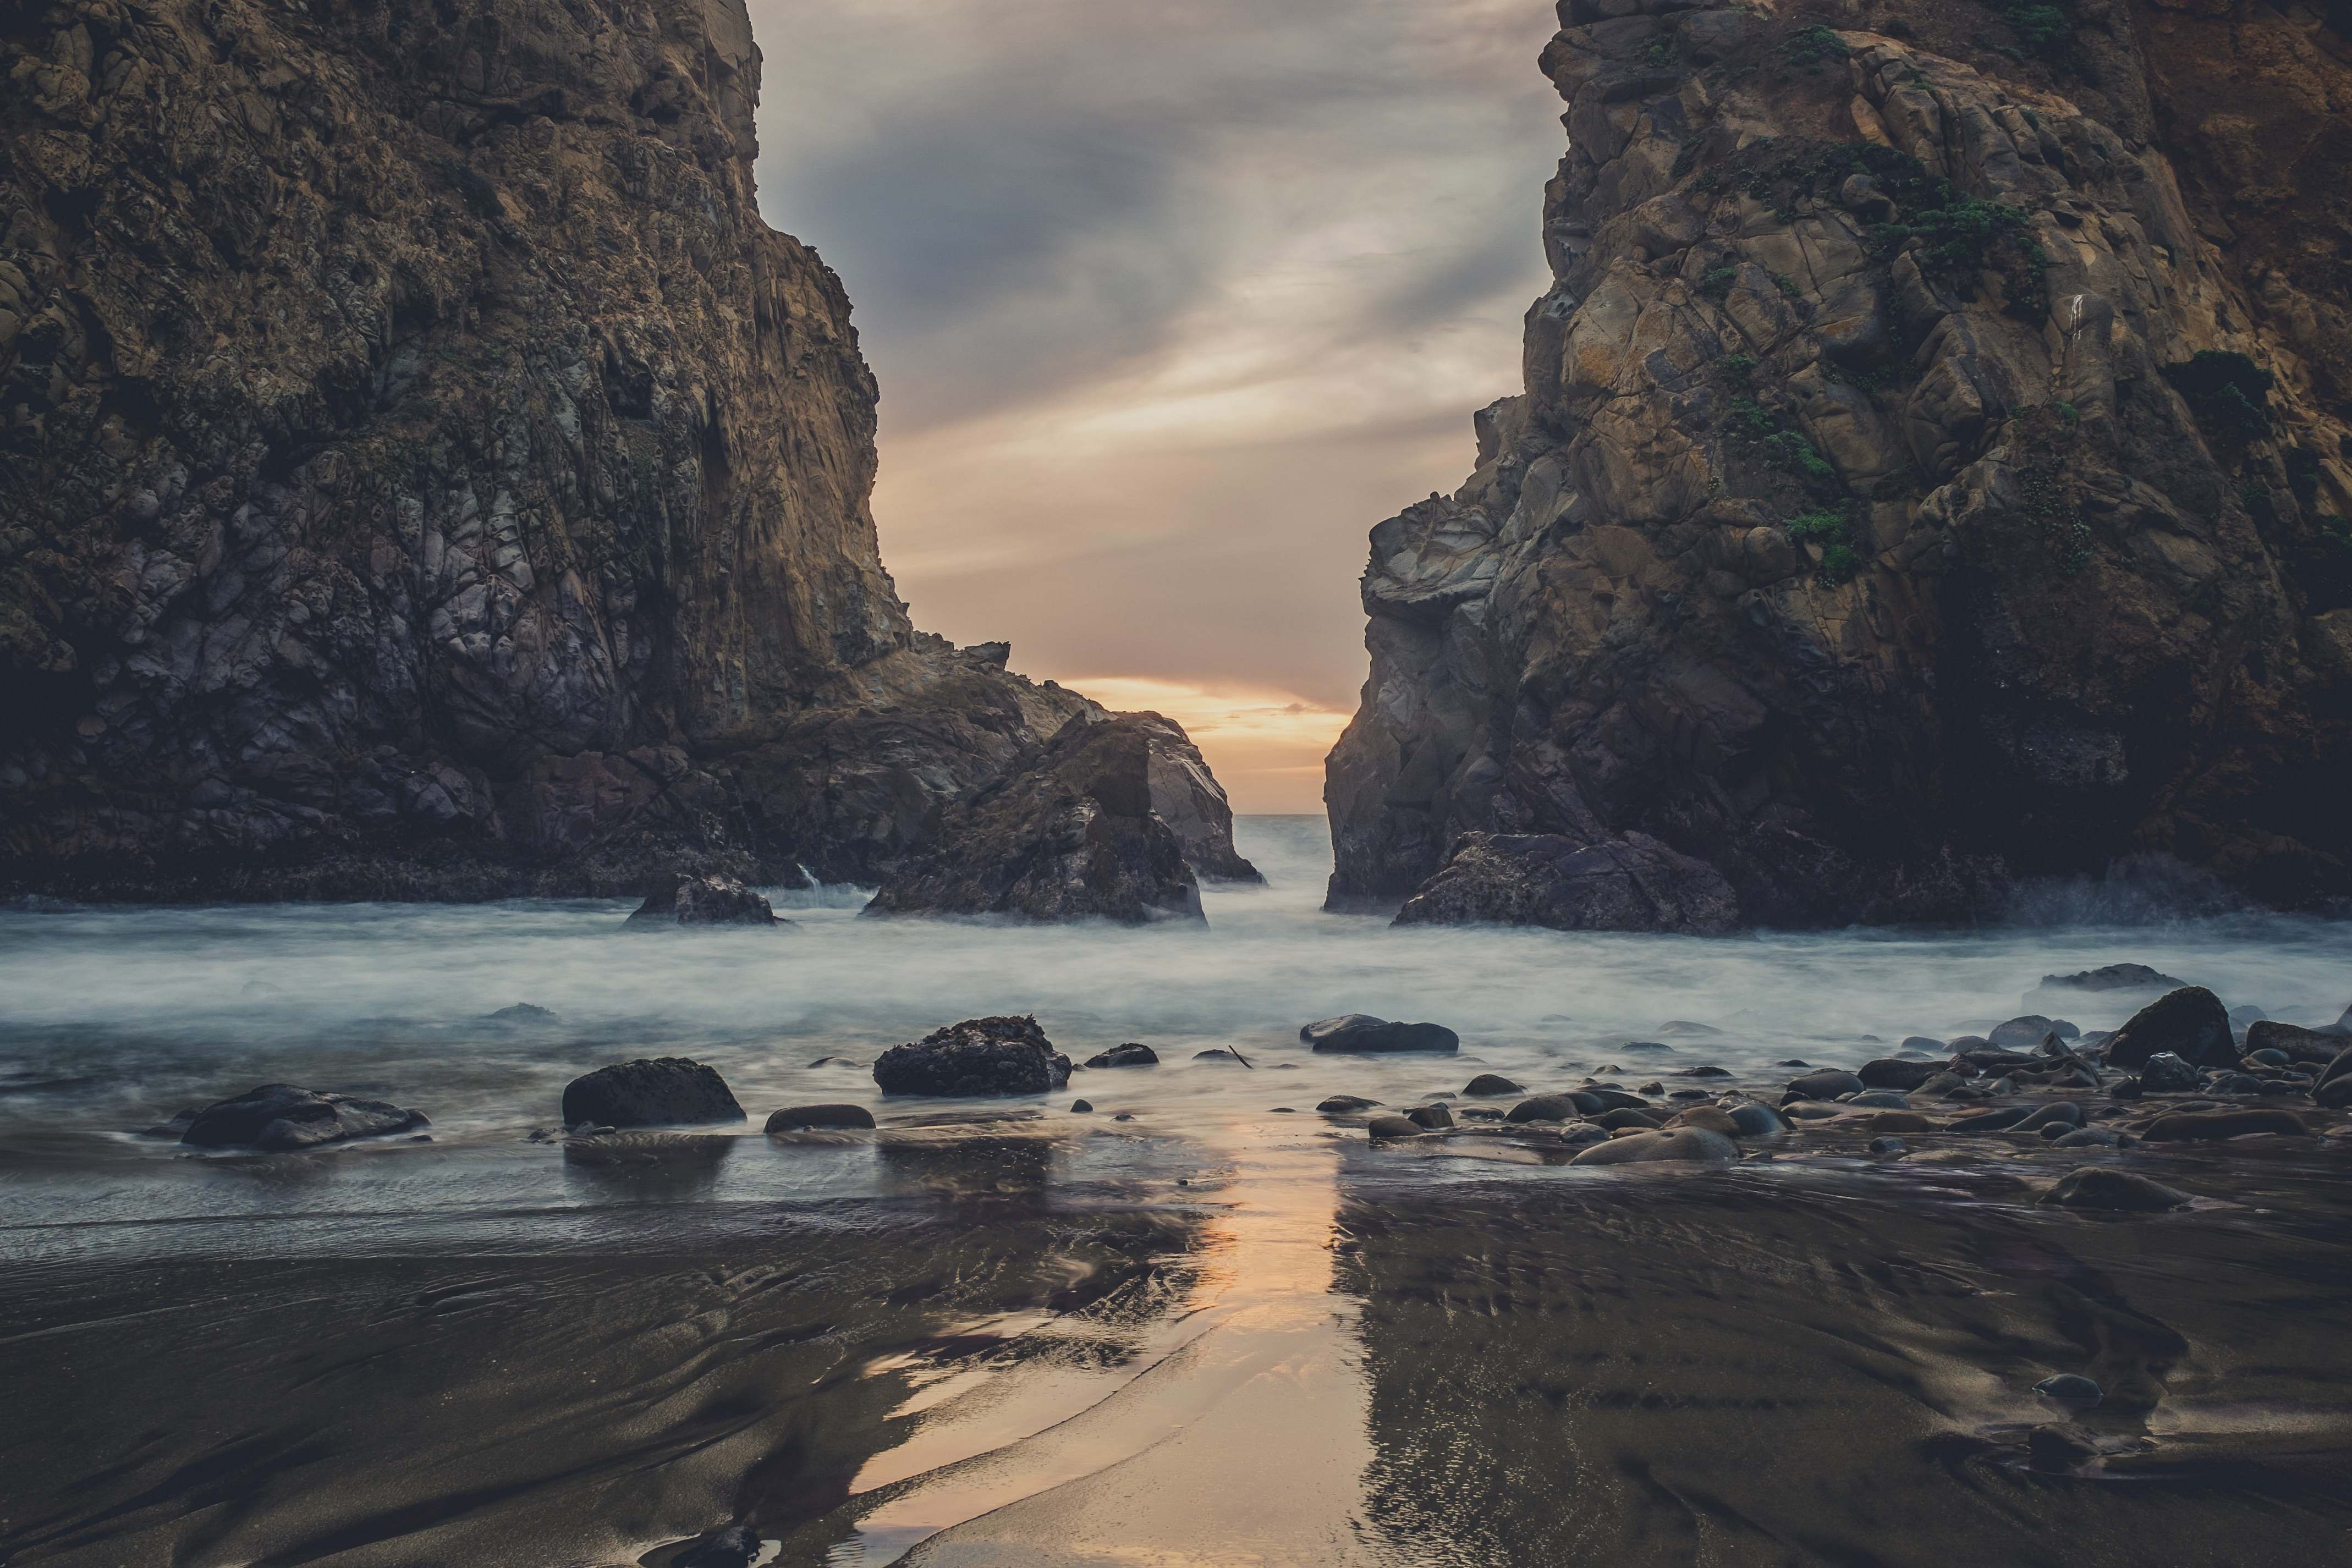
{"type": "Point", "coordinates": [1170, 304]}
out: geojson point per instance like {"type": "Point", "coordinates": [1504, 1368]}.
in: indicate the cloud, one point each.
{"type": "Point", "coordinates": [1170, 304]}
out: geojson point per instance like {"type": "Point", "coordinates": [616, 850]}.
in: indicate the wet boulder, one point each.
{"type": "Point", "coordinates": [2113, 978]}
{"type": "Point", "coordinates": [1493, 1083]}
{"type": "Point", "coordinates": [2186, 1126]}
{"type": "Point", "coordinates": [2191, 1022]}
{"type": "Point", "coordinates": [282, 1117]}
{"type": "Point", "coordinates": [1691, 1145]}
{"type": "Point", "coordinates": [1889, 1072]}
{"type": "Point", "coordinates": [1344, 1105]}
{"type": "Point", "coordinates": [2295, 1043]}
{"type": "Point", "coordinates": [1131, 1054]}
{"type": "Point", "coordinates": [2027, 1032]}
{"type": "Point", "coordinates": [1714, 1118]}
{"type": "Point", "coordinates": [978, 1056]}
{"type": "Point", "coordinates": [1390, 1125]}
{"type": "Point", "coordinates": [664, 1091]}
{"type": "Point", "coordinates": [688, 900]}
{"type": "Point", "coordinates": [1555, 1108]}
{"type": "Point", "coordinates": [522, 1014]}
{"type": "Point", "coordinates": [1826, 1084]}
{"type": "Point", "coordinates": [1757, 1121]}
{"type": "Point", "coordinates": [804, 1118]}
{"type": "Point", "coordinates": [2097, 1187]}
{"type": "Point", "coordinates": [1362, 1034]}
{"type": "Point", "coordinates": [1431, 1118]}
{"type": "Point", "coordinates": [2165, 1073]}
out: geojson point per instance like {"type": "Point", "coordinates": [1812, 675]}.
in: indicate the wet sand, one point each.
{"type": "Point", "coordinates": [1273, 1341]}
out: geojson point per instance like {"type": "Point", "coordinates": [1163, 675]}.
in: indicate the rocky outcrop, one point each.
{"type": "Point", "coordinates": [1076, 836]}
{"type": "Point", "coordinates": [423, 474]}
{"type": "Point", "coordinates": [280, 1118]}
{"type": "Point", "coordinates": [978, 1056]}
{"type": "Point", "coordinates": [675, 900]}
{"type": "Point", "coordinates": [664, 1091]}
{"type": "Point", "coordinates": [1929, 473]}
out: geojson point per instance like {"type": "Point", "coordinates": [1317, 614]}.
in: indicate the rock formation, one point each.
{"type": "Point", "coordinates": [1078, 834]}
{"type": "Point", "coordinates": [1931, 473]}
{"type": "Point", "coordinates": [423, 474]}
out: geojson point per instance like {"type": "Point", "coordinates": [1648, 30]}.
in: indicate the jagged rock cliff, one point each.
{"type": "Point", "coordinates": [423, 473]}
{"type": "Point", "coordinates": [1930, 472]}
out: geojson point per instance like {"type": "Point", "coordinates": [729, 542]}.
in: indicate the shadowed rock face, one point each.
{"type": "Point", "coordinates": [1077, 835]}
{"type": "Point", "coordinates": [1868, 532]}
{"type": "Point", "coordinates": [425, 475]}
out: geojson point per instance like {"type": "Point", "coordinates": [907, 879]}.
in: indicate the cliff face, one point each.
{"type": "Point", "coordinates": [1930, 471]}
{"type": "Point", "coordinates": [426, 474]}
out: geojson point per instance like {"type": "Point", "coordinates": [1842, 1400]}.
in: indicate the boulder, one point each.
{"type": "Point", "coordinates": [666, 1091]}
{"type": "Point", "coordinates": [1713, 1118]}
{"type": "Point", "coordinates": [798, 1118]}
{"type": "Point", "coordinates": [1074, 837]}
{"type": "Point", "coordinates": [522, 1013]}
{"type": "Point", "coordinates": [2097, 1187]}
{"type": "Point", "coordinates": [2187, 1126]}
{"type": "Point", "coordinates": [2191, 1022]}
{"type": "Point", "coordinates": [1344, 1105]}
{"type": "Point", "coordinates": [1131, 1054]}
{"type": "Point", "coordinates": [682, 899]}
{"type": "Point", "coordinates": [1888, 1072]}
{"type": "Point", "coordinates": [979, 1056]}
{"type": "Point", "coordinates": [1625, 1117]}
{"type": "Point", "coordinates": [1362, 1034]}
{"type": "Point", "coordinates": [1826, 1084]}
{"type": "Point", "coordinates": [2295, 1043]}
{"type": "Point", "coordinates": [1696, 1146]}
{"type": "Point", "coordinates": [1431, 1118]}
{"type": "Point", "coordinates": [1924, 1046]}
{"type": "Point", "coordinates": [2027, 1032]}
{"type": "Point", "coordinates": [280, 1117]}
{"type": "Point", "coordinates": [1493, 1083]}
{"type": "Point", "coordinates": [1627, 882]}
{"type": "Point", "coordinates": [1757, 1121]}
{"type": "Point", "coordinates": [1554, 1108]}
{"type": "Point", "coordinates": [1390, 1125]}
{"type": "Point", "coordinates": [2165, 1073]}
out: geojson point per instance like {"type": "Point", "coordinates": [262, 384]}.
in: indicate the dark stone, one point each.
{"type": "Point", "coordinates": [522, 1012]}
{"type": "Point", "coordinates": [2339, 1068]}
{"type": "Point", "coordinates": [2114, 978]}
{"type": "Point", "coordinates": [279, 1117]}
{"type": "Point", "coordinates": [2097, 1187]}
{"type": "Point", "coordinates": [1709, 1070]}
{"type": "Point", "coordinates": [1344, 1105]}
{"type": "Point", "coordinates": [2335, 1094]}
{"type": "Point", "coordinates": [1826, 1084]}
{"type": "Point", "coordinates": [1433, 1118]}
{"type": "Point", "coordinates": [1618, 1120]}
{"type": "Point", "coordinates": [667, 1091]}
{"type": "Point", "coordinates": [1757, 1121]}
{"type": "Point", "coordinates": [2027, 1032]}
{"type": "Point", "coordinates": [2294, 1043]}
{"type": "Point", "coordinates": [1677, 1145]}
{"type": "Point", "coordinates": [2070, 1388]}
{"type": "Point", "coordinates": [1131, 1054]}
{"type": "Point", "coordinates": [1390, 1125]}
{"type": "Point", "coordinates": [2165, 1073]}
{"type": "Point", "coordinates": [1493, 1083]}
{"type": "Point", "coordinates": [1889, 1145]}
{"type": "Point", "coordinates": [1886, 1072]}
{"type": "Point", "coordinates": [1652, 1045]}
{"type": "Point", "coordinates": [687, 899]}
{"type": "Point", "coordinates": [1611, 1099]}
{"type": "Point", "coordinates": [1361, 1032]}
{"type": "Point", "coordinates": [793, 1118]}
{"type": "Point", "coordinates": [1554, 1108]}
{"type": "Point", "coordinates": [2065, 1113]}
{"type": "Point", "coordinates": [1081, 1108]}
{"type": "Point", "coordinates": [978, 1056]}
{"type": "Point", "coordinates": [2191, 1022]}
{"type": "Point", "coordinates": [1989, 1121]}
{"type": "Point", "coordinates": [1881, 1100]}
{"type": "Point", "coordinates": [1218, 1053]}
{"type": "Point", "coordinates": [2182, 1127]}
{"type": "Point", "coordinates": [1924, 1046]}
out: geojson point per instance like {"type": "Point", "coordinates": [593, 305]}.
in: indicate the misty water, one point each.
{"type": "Point", "coordinates": [1225, 1331]}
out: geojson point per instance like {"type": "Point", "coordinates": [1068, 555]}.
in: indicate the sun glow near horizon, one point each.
{"type": "Point", "coordinates": [1266, 745]}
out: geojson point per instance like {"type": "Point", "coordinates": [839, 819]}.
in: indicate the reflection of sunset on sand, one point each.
{"type": "Point", "coordinates": [1248, 1393]}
